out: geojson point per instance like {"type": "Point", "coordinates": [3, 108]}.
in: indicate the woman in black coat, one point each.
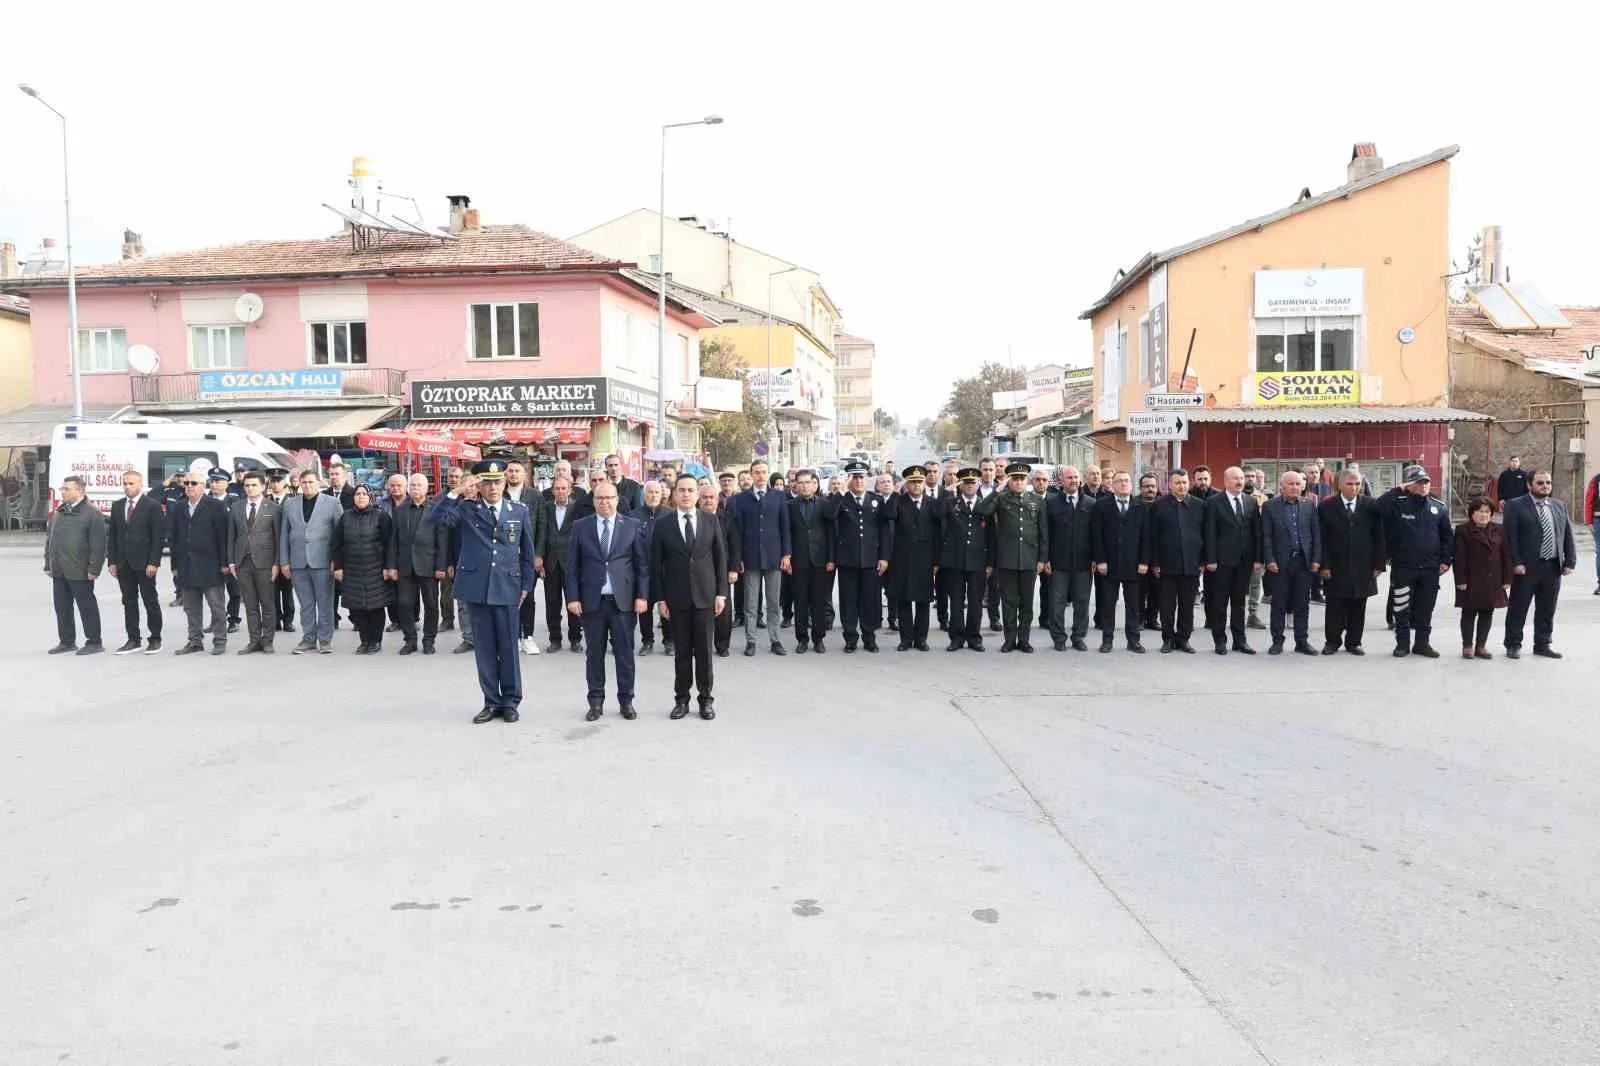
{"type": "Point", "coordinates": [1483, 575]}
{"type": "Point", "coordinates": [363, 561]}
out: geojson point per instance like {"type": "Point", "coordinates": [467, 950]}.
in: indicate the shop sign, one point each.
{"type": "Point", "coordinates": [775, 388]}
{"type": "Point", "coordinates": [719, 394]}
{"type": "Point", "coordinates": [1308, 388]}
{"type": "Point", "coordinates": [269, 384]}
{"type": "Point", "coordinates": [1046, 379]}
{"type": "Point", "coordinates": [1158, 327]}
{"type": "Point", "coordinates": [630, 401]}
{"type": "Point", "coordinates": [1297, 293]}
{"type": "Point", "coordinates": [1009, 400]}
{"type": "Point", "coordinates": [512, 398]}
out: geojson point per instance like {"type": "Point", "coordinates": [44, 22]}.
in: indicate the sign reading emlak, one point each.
{"type": "Point", "coordinates": [1308, 388]}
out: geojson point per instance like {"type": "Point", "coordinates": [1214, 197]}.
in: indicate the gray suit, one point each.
{"type": "Point", "coordinates": [306, 547]}
{"type": "Point", "coordinates": [256, 553]}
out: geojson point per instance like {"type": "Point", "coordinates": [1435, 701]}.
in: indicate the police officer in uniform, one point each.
{"type": "Point", "coordinates": [863, 527]}
{"type": "Point", "coordinates": [966, 559]}
{"type": "Point", "coordinates": [283, 584]}
{"type": "Point", "coordinates": [916, 557]}
{"type": "Point", "coordinates": [1021, 536]}
{"type": "Point", "coordinates": [1421, 544]}
{"type": "Point", "coordinates": [494, 574]}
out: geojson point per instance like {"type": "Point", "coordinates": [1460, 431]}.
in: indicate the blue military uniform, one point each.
{"type": "Point", "coordinates": [493, 572]}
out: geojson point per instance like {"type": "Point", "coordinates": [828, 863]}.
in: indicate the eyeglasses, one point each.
{"type": "Point", "coordinates": [192, 484]}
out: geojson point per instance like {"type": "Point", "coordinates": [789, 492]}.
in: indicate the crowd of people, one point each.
{"type": "Point", "coordinates": [687, 562]}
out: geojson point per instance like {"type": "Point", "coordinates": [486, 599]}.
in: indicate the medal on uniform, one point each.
{"type": "Point", "coordinates": [513, 527]}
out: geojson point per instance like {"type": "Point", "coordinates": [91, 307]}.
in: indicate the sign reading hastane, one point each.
{"type": "Point", "coordinates": [1308, 388]}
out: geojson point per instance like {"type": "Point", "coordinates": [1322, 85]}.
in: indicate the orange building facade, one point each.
{"type": "Point", "coordinates": [1318, 332]}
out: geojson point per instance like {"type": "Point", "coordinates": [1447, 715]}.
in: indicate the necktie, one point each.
{"type": "Point", "coordinates": [1238, 508]}
{"type": "Point", "coordinates": [250, 519]}
{"type": "Point", "coordinates": [688, 528]}
{"type": "Point", "coordinates": [127, 515]}
{"type": "Point", "coordinates": [1350, 505]}
{"type": "Point", "coordinates": [605, 540]}
{"type": "Point", "coordinates": [1547, 529]}
{"type": "Point", "coordinates": [1072, 501]}
{"type": "Point", "coordinates": [1122, 508]}
{"type": "Point", "coordinates": [758, 496]}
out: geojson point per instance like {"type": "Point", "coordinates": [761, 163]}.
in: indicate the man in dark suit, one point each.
{"type": "Point", "coordinates": [630, 494]}
{"type": "Point", "coordinates": [137, 535]}
{"type": "Point", "coordinates": [810, 564]}
{"type": "Point", "coordinates": [1291, 545]}
{"type": "Point", "coordinates": [218, 483]}
{"type": "Point", "coordinates": [1352, 559]}
{"type": "Point", "coordinates": [1232, 554]}
{"type": "Point", "coordinates": [688, 567]}
{"type": "Point", "coordinates": [1149, 584]}
{"type": "Point", "coordinates": [1118, 548]}
{"type": "Point", "coordinates": [1539, 540]}
{"type": "Point", "coordinates": [916, 557]}
{"type": "Point", "coordinates": [863, 532]}
{"type": "Point", "coordinates": [713, 502]}
{"type": "Point", "coordinates": [607, 588]}
{"type": "Point", "coordinates": [553, 528]}
{"type": "Point", "coordinates": [1177, 543]}
{"type": "Point", "coordinates": [202, 554]}
{"type": "Point", "coordinates": [764, 528]}
{"type": "Point", "coordinates": [421, 550]}
{"type": "Point", "coordinates": [966, 559]}
{"type": "Point", "coordinates": [257, 522]}
{"type": "Point", "coordinates": [1070, 514]}
{"type": "Point", "coordinates": [652, 508]}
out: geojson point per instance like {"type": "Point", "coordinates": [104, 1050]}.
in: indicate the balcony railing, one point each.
{"type": "Point", "coordinates": [296, 387]}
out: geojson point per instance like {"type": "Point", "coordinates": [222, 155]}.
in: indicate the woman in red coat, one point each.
{"type": "Point", "coordinates": [1483, 575]}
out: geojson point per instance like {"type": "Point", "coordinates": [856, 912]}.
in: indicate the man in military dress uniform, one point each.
{"type": "Point", "coordinates": [863, 544]}
{"type": "Point", "coordinates": [916, 557]}
{"type": "Point", "coordinates": [1021, 536]}
{"type": "Point", "coordinates": [494, 574]}
{"type": "Point", "coordinates": [966, 560]}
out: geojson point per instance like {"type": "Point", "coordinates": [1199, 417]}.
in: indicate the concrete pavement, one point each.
{"type": "Point", "coordinates": [901, 858]}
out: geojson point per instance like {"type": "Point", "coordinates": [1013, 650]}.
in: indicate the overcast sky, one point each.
{"type": "Point", "coordinates": [965, 180]}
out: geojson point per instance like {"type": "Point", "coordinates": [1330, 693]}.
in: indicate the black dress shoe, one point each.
{"type": "Point", "coordinates": [1168, 646]}
{"type": "Point", "coordinates": [62, 649]}
{"type": "Point", "coordinates": [1106, 645]}
{"type": "Point", "coordinates": [1276, 649]}
{"type": "Point", "coordinates": [801, 648]}
{"type": "Point", "coordinates": [1244, 649]}
{"type": "Point", "coordinates": [1136, 647]}
{"type": "Point", "coordinates": [1355, 650]}
{"type": "Point", "coordinates": [593, 713]}
{"type": "Point", "coordinates": [1185, 647]}
{"type": "Point", "coordinates": [1543, 651]}
{"type": "Point", "coordinates": [976, 643]}
{"type": "Point", "coordinates": [1513, 653]}
{"type": "Point", "coordinates": [1079, 645]}
{"type": "Point", "coordinates": [904, 645]}
{"type": "Point", "coordinates": [1222, 649]}
{"type": "Point", "coordinates": [509, 714]}
{"type": "Point", "coordinates": [1424, 650]}
{"type": "Point", "coordinates": [996, 627]}
{"type": "Point", "coordinates": [249, 649]}
{"type": "Point", "coordinates": [1400, 652]}
{"type": "Point", "coordinates": [1302, 648]}
{"type": "Point", "coordinates": [1024, 647]}
{"type": "Point", "coordinates": [749, 649]}
{"type": "Point", "coordinates": [779, 649]}
{"type": "Point", "coordinates": [679, 710]}
{"type": "Point", "coordinates": [576, 647]}
{"type": "Point", "coordinates": [894, 625]}
{"type": "Point", "coordinates": [921, 645]}
{"type": "Point", "coordinates": [647, 647]}
{"type": "Point", "coordinates": [706, 713]}
{"type": "Point", "coordinates": [94, 647]}
{"type": "Point", "coordinates": [1008, 646]}
{"type": "Point", "coordinates": [723, 653]}
{"type": "Point", "coordinates": [488, 714]}
{"type": "Point", "coordinates": [628, 712]}
{"type": "Point", "coordinates": [819, 647]}
{"type": "Point", "coordinates": [957, 645]}
{"type": "Point", "coordinates": [427, 647]}
{"type": "Point", "coordinates": [1060, 644]}
{"type": "Point", "coordinates": [870, 646]}
{"type": "Point", "coordinates": [1330, 649]}
{"type": "Point", "coordinates": [408, 648]}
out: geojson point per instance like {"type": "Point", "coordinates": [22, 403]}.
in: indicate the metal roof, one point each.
{"type": "Point", "coordinates": [1335, 415]}
{"type": "Point", "coordinates": [1155, 259]}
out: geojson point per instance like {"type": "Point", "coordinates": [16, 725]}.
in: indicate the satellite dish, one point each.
{"type": "Point", "coordinates": [248, 307]}
{"type": "Point", "coordinates": [142, 359]}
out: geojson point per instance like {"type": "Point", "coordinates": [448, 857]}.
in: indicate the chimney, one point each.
{"type": "Point", "coordinates": [9, 266]}
{"type": "Point", "coordinates": [1364, 161]}
{"type": "Point", "coordinates": [458, 213]}
{"type": "Point", "coordinates": [469, 220]}
{"type": "Point", "coordinates": [132, 245]}
{"type": "Point", "coordinates": [1491, 257]}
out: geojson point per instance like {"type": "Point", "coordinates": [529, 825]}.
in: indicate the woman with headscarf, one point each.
{"type": "Point", "coordinates": [363, 561]}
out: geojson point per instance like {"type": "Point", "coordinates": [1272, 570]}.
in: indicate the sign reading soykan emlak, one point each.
{"type": "Point", "coordinates": [525, 398]}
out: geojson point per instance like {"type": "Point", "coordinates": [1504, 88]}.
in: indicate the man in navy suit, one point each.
{"type": "Point", "coordinates": [1539, 538]}
{"type": "Point", "coordinates": [763, 515]}
{"type": "Point", "coordinates": [1291, 547]}
{"type": "Point", "coordinates": [607, 588]}
{"type": "Point", "coordinates": [494, 574]}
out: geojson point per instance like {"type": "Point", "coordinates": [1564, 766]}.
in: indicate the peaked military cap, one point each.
{"type": "Point", "coordinates": [1018, 470]}
{"type": "Point", "coordinates": [490, 469]}
{"type": "Point", "coordinates": [216, 473]}
{"type": "Point", "coordinates": [854, 467]}
{"type": "Point", "coordinates": [968, 474]}
{"type": "Point", "coordinates": [914, 473]}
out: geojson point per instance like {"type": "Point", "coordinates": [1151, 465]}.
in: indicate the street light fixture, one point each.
{"type": "Point", "coordinates": [661, 281]}
{"type": "Point", "coordinates": [72, 274]}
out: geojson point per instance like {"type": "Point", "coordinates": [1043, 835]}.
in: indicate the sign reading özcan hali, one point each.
{"type": "Point", "coordinates": [527, 398]}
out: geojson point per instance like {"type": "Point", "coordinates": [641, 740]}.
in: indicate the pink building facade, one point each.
{"type": "Point", "coordinates": [312, 341]}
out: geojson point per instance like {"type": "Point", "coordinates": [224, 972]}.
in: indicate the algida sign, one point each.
{"type": "Point", "coordinates": [1308, 388]}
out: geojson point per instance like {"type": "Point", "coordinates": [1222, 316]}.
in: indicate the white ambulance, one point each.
{"type": "Point", "coordinates": [99, 452]}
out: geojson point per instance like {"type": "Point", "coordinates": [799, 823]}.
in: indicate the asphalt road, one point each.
{"type": "Point", "coordinates": [902, 858]}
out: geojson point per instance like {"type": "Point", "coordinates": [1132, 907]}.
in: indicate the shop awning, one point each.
{"type": "Point", "coordinates": [30, 427]}
{"type": "Point", "coordinates": [510, 430]}
{"type": "Point", "coordinates": [404, 442]}
{"type": "Point", "coordinates": [1333, 415]}
{"type": "Point", "coordinates": [296, 422]}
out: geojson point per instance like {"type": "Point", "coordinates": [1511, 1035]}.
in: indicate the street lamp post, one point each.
{"type": "Point", "coordinates": [661, 281]}
{"type": "Point", "coordinates": [72, 274]}
{"type": "Point", "coordinates": [774, 274]}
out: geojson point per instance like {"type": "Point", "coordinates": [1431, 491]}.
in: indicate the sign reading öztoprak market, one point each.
{"type": "Point", "coordinates": [1308, 388]}
{"type": "Point", "coordinates": [510, 398]}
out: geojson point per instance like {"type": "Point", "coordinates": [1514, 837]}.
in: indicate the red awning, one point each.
{"type": "Point", "coordinates": [407, 442]}
{"type": "Point", "coordinates": [511, 430]}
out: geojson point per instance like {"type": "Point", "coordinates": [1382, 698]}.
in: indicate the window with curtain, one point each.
{"type": "Point", "coordinates": [1304, 344]}
{"type": "Point", "coordinates": [338, 343]}
{"type": "Point", "coordinates": [216, 347]}
{"type": "Point", "coordinates": [102, 350]}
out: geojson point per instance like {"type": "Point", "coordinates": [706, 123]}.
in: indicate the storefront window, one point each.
{"type": "Point", "coordinates": [1304, 344]}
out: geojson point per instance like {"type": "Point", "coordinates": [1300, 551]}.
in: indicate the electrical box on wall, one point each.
{"type": "Point", "coordinates": [1576, 445]}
